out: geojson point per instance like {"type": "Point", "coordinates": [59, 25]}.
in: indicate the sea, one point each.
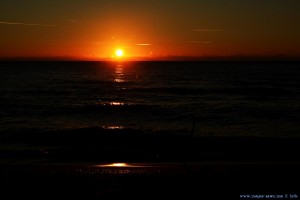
{"type": "Point", "coordinates": [209, 98]}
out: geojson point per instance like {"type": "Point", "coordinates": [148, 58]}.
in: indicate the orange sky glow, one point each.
{"type": "Point", "coordinates": [149, 30]}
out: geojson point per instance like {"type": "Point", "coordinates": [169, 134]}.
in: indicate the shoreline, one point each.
{"type": "Point", "coordinates": [78, 164]}
{"type": "Point", "coordinates": [130, 145]}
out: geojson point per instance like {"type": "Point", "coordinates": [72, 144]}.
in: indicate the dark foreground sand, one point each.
{"type": "Point", "coordinates": [73, 165]}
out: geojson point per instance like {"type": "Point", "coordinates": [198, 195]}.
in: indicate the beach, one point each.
{"type": "Point", "coordinates": [98, 130]}
{"type": "Point", "coordinates": [98, 163]}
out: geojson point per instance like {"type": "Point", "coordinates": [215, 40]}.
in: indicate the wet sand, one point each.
{"type": "Point", "coordinates": [96, 163]}
{"type": "Point", "coordinates": [219, 180]}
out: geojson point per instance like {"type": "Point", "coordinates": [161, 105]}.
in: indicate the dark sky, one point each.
{"type": "Point", "coordinates": [95, 28]}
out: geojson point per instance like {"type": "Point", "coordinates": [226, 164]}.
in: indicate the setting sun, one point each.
{"type": "Point", "coordinates": [119, 53]}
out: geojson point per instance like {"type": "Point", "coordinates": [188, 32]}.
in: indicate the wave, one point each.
{"type": "Point", "coordinates": [222, 91]}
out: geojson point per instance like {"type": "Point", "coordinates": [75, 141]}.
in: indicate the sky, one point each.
{"type": "Point", "coordinates": [94, 29]}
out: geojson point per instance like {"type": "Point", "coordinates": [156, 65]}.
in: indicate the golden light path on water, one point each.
{"type": "Point", "coordinates": [116, 104]}
{"type": "Point", "coordinates": [117, 165]}
{"type": "Point", "coordinates": [122, 168]}
{"type": "Point", "coordinates": [113, 127]}
{"type": "Point", "coordinates": [139, 165]}
{"type": "Point", "coordinates": [119, 74]}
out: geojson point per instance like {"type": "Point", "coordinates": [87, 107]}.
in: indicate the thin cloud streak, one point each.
{"type": "Point", "coordinates": [209, 30]}
{"type": "Point", "coordinates": [144, 44]}
{"type": "Point", "coordinates": [25, 24]}
{"type": "Point", "coordinates": [200, 42]}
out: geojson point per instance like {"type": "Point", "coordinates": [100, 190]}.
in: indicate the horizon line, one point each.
{"type": "Point", "coordinates": [160, 58]}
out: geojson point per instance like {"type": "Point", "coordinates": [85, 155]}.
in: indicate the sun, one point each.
{"type": "Point", "coordinates": [119, 53]}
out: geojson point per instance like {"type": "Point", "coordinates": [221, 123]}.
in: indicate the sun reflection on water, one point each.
{"type": "Point", "coordinates": [113, 127]}
{"type": "Point", "coordinates": [116, 103]}
{"type": "Point", "coordinates": [110, 103]}
{"type": "Point", "coordinates": [119, 74]}
{"type": "Point", "coordinates": [115, 165]}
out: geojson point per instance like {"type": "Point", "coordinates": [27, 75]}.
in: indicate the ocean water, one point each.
{"type": "Point", "coordinates": [220, 98]}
